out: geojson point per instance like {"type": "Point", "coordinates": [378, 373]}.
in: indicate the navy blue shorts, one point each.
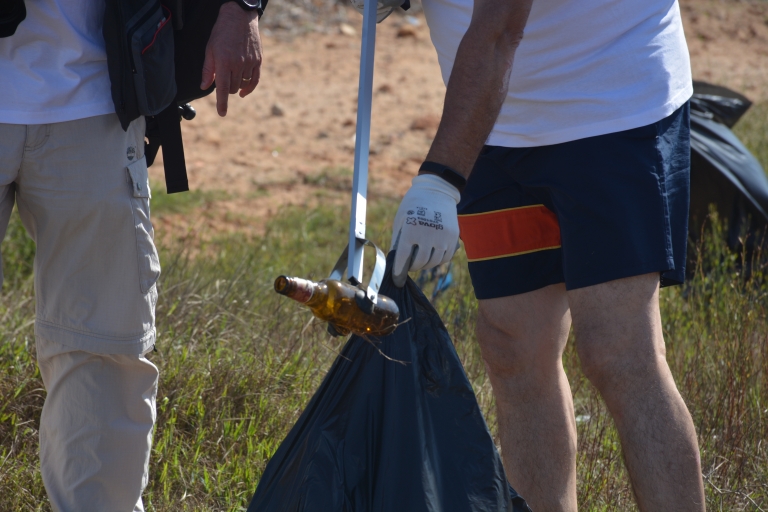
{"type": "Point", "coordinates": [582, 212]}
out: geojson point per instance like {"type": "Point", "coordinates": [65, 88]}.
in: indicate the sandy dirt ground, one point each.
{"type": "Point", "coordinates": [292, 141]}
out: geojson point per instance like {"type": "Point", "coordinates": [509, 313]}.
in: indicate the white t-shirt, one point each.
{"type": "Point", "coordinates": [54, 68]}
{"type": "Point", "coordinates": [583, 68]}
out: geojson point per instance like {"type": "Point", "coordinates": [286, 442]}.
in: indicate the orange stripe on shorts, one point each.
{"type": "Point", "coordinates": [509, 232]}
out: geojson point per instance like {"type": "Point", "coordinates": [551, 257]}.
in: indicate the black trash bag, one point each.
{"type": "Point", "coordinates": [394, 427]}
{"type": "Point", "coordinates": [723, 171]}
{"type": "Point", "coordinates": [719, 103]}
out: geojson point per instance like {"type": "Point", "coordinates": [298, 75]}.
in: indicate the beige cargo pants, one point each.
{"type": "Point", "coordinates": [83, 195]}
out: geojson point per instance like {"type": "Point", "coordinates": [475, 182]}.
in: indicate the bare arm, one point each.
{"type": "Point", "coordinates": [479, 81]}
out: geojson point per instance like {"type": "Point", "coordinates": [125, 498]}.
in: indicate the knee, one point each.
{"type": "Point", "coordinates": [618, 332]}
{"type": "Point", "coordinates": [596, 365]}
{"type": "Point", "coordinates": [513, 349]}
{"type": "Point", "coordinates": [612, 367]}
{"type": "Point", "coordinates": [501, 350]}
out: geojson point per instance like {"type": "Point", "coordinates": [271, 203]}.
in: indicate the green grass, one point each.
{"type": "Point", "coordinates": [185, 202]}
{"type": "Point", "coordinates": [238, 363]}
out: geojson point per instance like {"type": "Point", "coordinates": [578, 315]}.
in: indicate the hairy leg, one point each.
{"type": "Point", "coordinates": [621, 347]}
{"type": "Point", "coordinates": [522, 339]}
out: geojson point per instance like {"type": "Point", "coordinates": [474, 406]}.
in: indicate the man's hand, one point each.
{"type": "Point", "coordinates": [233, 54]}
{"type": "Point", "coordinates": [426, 228]}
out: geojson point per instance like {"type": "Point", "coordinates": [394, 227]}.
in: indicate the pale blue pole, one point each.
{"type": "Point", "coordinates": [362, 143]}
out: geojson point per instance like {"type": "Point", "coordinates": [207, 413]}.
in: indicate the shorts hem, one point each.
{"type": "Point", "coordinates": [618, 273]}
{"type": "Point", "coordinates": [518, 289]}
{"type": "Point", "coordinates": [94, 343]}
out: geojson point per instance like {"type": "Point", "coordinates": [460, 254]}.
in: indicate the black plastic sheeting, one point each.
{"type": "Point", "coordinates": [394, 427]}
{"type": "Point", "coordinates": [723, 171]}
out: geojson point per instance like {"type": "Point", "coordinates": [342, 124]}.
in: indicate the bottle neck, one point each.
{"type": "Point", "coordinates": [300, 290]}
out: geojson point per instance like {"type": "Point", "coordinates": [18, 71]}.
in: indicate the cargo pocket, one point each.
{"type": "Point", "coordinates": [150, 39]}
{"type": "Point", "coordinates": [149, 262]}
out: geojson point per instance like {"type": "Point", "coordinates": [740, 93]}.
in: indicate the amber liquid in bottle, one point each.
{"type": "Point", "coordinates": [335, 302]}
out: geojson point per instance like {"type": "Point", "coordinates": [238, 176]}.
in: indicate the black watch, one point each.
{"type": "Point", "coordinates": [445, 172]}
{"type": "Point", "coordinates": [250, 5]}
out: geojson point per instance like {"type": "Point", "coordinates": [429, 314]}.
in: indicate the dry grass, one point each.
{"type": "Point", "coordinates": [238, 363]}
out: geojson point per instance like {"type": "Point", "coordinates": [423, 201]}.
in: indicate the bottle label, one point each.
{"type": "Point", "coordinates": [304, 290]}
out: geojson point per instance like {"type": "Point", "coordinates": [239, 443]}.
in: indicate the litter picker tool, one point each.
{"type": "Point", "coordinates": [357, 238]}
{"type": "Point", "coordinates": [344, 314]}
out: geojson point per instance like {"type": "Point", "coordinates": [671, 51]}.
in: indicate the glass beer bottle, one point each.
{"type": "Point", "coordinates": [338, 303]}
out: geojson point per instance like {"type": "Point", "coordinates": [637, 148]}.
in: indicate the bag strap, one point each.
{"type": "Point", "coordinates": [169, 131]}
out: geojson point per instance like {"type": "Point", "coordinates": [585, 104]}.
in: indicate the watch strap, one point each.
{"type": "Point", "coordinates": [250, 5]}
{"type": "Point", "coordinates": [445, 172]}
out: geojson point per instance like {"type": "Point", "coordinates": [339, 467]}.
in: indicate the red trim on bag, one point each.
{"type": "Point", "coordinates": [509, 232]}
{"type": "Point", "coordinates": [159, 28]}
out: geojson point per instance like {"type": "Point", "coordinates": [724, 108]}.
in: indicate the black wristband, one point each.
{"type": "Point", "coordinates": [445, 172]}
{"type": "Point", "coordinates": [250, 5]}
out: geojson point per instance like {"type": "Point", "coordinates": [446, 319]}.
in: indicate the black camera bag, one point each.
{"type": "Point", "coordinates": [155, 55]}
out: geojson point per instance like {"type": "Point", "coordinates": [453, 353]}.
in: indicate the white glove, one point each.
{"type": "Point", "coordinates": [426, 228]}
{"type": "Point", "coordinates": [383, 8]}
